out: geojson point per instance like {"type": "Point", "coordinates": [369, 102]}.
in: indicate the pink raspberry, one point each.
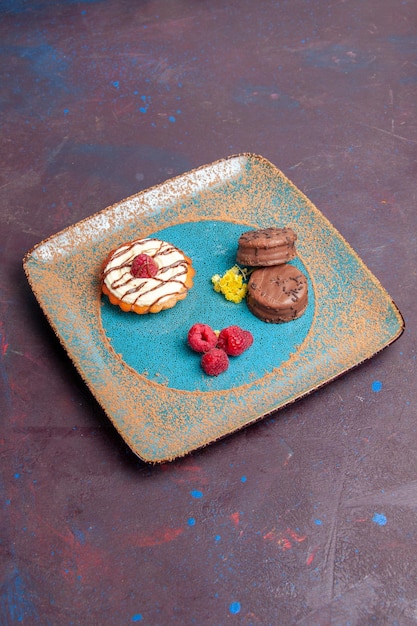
{"type": "Point", "coordinates": [201, 338]}
{"type": "Point", "coordinates": [234, 340]}
{"type": "Point", "coordinates": [214, 362]}
{"type": "Point", "coordinates": [143, 266]}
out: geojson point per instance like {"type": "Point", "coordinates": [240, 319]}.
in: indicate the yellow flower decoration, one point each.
{"type": "Point", "coordinates": [232, 284]}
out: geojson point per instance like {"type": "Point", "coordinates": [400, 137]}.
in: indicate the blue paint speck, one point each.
{"type": "Point", "coordinates": [66, 111]}
{"type": "Point", "coordinates": [116, 84]}
{"type": "Point", "coordinates": [380, 519]}
{"type": "Point", "coordinates": [191, 521]}
{"type": "Point", "coordinates": [234, 608]}
{"type": "Point", "coordinates": [16, 602]}
{"type": "Point", "coordinates": [79, 535]}
{"type": "Point", "coordinates": [243, 479]}
{"type": "Point", "coordinates": [137, 618]}
{"type": "Point", "coordinates": [171, 118]}
{"type": "Point", "coordinates": [318, 522]}
{"type": "Point", "coordinates": [17, 475]}
{"type": "Point", "coordinates": [217, 537]}
{"type": "Point", "coordinates": [376, 385]}
{"type": "Point", "coordinates": [196, 493]}
{"type": "Point", "coordinates": [145, 100]}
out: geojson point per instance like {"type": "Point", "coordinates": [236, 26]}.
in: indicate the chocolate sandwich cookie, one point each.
{"type": "Point", "coordinates": [266, 246]}
{"type": "Point", "coordinates": [278, 293]}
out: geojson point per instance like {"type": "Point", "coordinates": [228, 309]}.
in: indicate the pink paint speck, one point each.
{"type": "Point", "coordinates": [156, 537]}
{"type": "Point", "coordinates": [3, 345]}
{"type": "Point", "coordinates": [312, 555]}
{"type": "Point", "coordinates": [235, 518]}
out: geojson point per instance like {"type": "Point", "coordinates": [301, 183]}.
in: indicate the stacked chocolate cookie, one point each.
{"type": "Point", "coordinates": [277, 290]}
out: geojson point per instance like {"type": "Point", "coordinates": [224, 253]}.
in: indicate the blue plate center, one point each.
{"type": "Point", "coordinates": [155, 345]}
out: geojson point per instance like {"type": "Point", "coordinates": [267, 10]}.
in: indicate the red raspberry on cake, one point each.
{"type": "Point", "coordinates": [201, 338]}
{"type": "Point", "coordinates": [143, 266]}
{"type": "Point", "coordinates": [234, 340]}
{"type": "Point", "coordinates": [214, 362]}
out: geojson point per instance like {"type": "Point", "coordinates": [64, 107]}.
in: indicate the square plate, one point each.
{"type": "Point", "coordinates": [139, 367]}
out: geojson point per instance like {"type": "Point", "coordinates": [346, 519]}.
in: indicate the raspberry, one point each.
{"type": "Point", "coordinates": [143, 266]}
{"type": "Point", "coordinates": [201, 338]}
{"type": "Point", "coordinates": [234, 340]}
{"type": "Point", "coordinates": [214, 362]}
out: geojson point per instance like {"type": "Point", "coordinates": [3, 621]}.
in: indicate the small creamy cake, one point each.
{"type": "Point", "coordinates": [266, 246]}
{"type": "Point", "coordinates": [146, 276]}
{"type": "Point", "coordinates": [278, 293]}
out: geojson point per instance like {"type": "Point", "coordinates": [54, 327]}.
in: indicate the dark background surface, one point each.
{"type": "Point", "coordinates": [308, 517]}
